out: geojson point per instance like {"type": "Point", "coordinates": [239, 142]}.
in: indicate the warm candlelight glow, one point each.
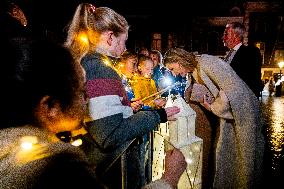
{"type": "Point", "coordinates": [83, 38]}
{"type": "Point", "coordinates": [77, 142]}
{"type": "Point", "coordinates": [281, 64]}
{"type": "Point", "coordinates": [27, 142]}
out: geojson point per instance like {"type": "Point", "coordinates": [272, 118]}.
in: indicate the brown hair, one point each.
{"type": "Point", "coordinates": [158, 53]}
{"type": "Point", "coordinates": [177, 55]}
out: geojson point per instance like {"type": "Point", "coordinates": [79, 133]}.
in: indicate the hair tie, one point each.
{"type": "Point", "coordinates": [92, 8]}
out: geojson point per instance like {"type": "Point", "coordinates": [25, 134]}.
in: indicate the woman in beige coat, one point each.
{"type": "Point", "coordinates": [239, 142]}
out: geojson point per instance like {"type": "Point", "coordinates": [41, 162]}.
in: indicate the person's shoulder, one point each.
{"type": "Point", "coordinates": [91, 57]}
{"type": "Point", "coordinates": [250, 47]}
{"type": "Point", "coordinates": [99, 59]}
{"type": "Point", "coordinates": [208, 58]}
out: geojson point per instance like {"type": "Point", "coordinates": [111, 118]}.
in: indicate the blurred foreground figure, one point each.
{"type": "Point", "coordinates": [43, 96]}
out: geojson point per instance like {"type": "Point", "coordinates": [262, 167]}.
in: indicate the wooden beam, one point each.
{"type": "Point", "coordinates": [262, 6]}
{"type": "Point", "coordinates": [222, 21]}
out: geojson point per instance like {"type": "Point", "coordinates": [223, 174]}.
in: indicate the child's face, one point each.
{"type": "Point", "coordinates": [147, 68]}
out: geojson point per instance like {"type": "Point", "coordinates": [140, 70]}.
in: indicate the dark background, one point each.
{"type": "Point", "coordinates": [187, 19]}
{"type": "Point", "coordinates": [143, 16]}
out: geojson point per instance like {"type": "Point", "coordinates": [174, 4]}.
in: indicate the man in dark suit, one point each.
{"type": "Point", "coordinates": [245, 60]}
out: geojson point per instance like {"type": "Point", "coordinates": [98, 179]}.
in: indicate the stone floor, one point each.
{"type": "Point", "coordinates": [273, 111]}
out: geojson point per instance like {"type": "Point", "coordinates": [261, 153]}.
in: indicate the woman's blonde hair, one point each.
{"type": "Point", "coordinates": [88, 23]}
{"type": "Point", "coordinates": [184, 58]}
{"type": "Point", "coordinates": [177, 55]}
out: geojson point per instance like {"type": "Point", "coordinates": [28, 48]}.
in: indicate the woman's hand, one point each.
{"type": "Point", "coordinates": [205, 103]}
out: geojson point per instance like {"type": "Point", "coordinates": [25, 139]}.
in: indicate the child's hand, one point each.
{"type": "Point", "coordinates": [136, 104]}
{"type": "Point", "coordinates": [160, 102]}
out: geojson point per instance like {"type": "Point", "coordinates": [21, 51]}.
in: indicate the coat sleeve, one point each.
{"type": "Point", "coordinates": [221, 106]}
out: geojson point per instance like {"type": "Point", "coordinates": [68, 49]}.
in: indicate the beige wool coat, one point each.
{"type": "Point", "coordinates": [240, 142]}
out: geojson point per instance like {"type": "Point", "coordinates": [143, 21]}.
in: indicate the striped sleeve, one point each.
{"type": "Point", "coordinates": [112, 121]}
